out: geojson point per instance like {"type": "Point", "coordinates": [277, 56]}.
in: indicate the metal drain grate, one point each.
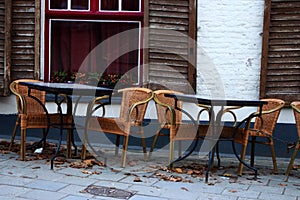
{"type": "Point", "coordinates": [108, 192]}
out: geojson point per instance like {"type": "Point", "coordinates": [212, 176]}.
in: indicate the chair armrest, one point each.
{"type": "Point", "coordinates": [169, 108]}
{"type": "Point", "coordinates": [229, 110]}
{"type": "Point", "coordinates": [21, 102]}
{"type": "Point", "coordinates": [97, 101]}
{"type": "Point", "coordinates": [204, 108]}
{"type": "Point", "coordinates": [134, 106]}
{"type": "Point", "coordinates": [273, 110]}
{"type": "Point", "coordinates": [294, 106]}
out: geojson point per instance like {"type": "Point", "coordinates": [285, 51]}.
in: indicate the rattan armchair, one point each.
{"type": "Point", "coordinates": [263, 128]}
{"type": "Point", "coordinates": [171, 119]}
{"type": "Point", "coordinates": [296, 109]}
{"type": "Point", "coordinates": [32, 114]}
{"type": "Point", "coordinates": [170, 122]}
{"type": "Point", "coordinates": [132, 111]}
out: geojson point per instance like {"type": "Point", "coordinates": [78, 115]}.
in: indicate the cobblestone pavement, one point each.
{"type": "Point", "coordinates": [141, 179]}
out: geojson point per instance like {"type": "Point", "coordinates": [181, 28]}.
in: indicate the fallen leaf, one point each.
{"type": "Point", "coordinates": [282, 184]}
{"type": "Point", "coordinates": [85, 172]}
{"type": "Point", "coordinates": [184, 188]}
{"type": "Point", "coordinates": [178, 170]}
{"type": "Point", "coordinates": [137, 179]}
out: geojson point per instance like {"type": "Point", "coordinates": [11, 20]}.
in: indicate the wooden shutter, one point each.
{"type": "Point", "coordinates": [4, 41]}
{"type": "Point", "coordinates": [164, 68]}
{"type": "Point", "coordinates": [280, 69]}
{"type": "Point", "coordinates": [25, 39]}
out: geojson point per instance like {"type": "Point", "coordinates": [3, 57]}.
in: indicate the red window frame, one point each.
{"type": "Point", "coordinates": [92, 14]}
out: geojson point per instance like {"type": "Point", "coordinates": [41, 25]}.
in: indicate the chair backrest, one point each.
{"type": "Point", "coordinates": [137, 98]}
{"type": "Point", "coordinates": [161, 103]}
{"type": "Point", "coordinates": [27, 104]}
{"type": "Point", "coordinates": [270, 113]}
{"type": "Point", "coordinates": [296, 109]}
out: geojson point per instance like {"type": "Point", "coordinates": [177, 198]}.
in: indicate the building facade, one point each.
{"type": "Point", "coordinates": [245, 49]}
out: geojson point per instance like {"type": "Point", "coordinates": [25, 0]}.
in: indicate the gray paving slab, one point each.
{"type": "Point", "coordinates": [33, 179]}
{"type": "Point", "coordinates": [43, 194]}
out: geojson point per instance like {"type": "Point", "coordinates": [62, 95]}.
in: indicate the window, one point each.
{"type": "Point", "coordinates": [75, 28]}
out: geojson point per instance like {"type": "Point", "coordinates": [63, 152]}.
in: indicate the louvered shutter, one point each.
{"type": "Point", "coordinates": [4, 31]}
{"type": "Point", "coordinates": [25, 39]}
{"type": "Point", "coordinates": [280, 72]}
{"type": "Point", "coordinates": [171, 69]}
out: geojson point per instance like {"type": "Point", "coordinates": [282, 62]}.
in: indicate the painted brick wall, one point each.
{"type": "Point", "coordinates": [229, 47]}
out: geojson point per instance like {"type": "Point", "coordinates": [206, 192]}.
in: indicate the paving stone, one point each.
{"type": "Point", "coordinates": [241, 193]}
{"type": "Point", "coordinates": [75, 190]}
{"type": "Point", "coordinates": [113, 184]}
{"type": "Point", "coordinates": [74, 197]}
{"type": "Point", "coordinates": [205, 196]}
{"type": "Point", "coordinates": [42, 194]}
{"type": "Point", "coordinates": [46, 185]}
{"type": "Point", "coordinates": [141, 197]}
{"type": "Point", "coordinates": [17, 181]}
{"type": "Point", "coordinates": [82, 181]}
{"type": "Point", "coordinates": [139, 180]}
{"type": "Point", "coordinates": [292, 192]}
{"type": "Point", "coordinates": [270, 189]}
{"type": "Point", "coordinates": [268, 196]}
{"type": "Point", "coordinates": [146, 190]}
{"type": "Point", "coordinates": [13, 191]}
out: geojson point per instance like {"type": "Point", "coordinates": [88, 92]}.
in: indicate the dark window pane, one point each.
{"type": "Point", "coordinates": [72, 41]}
{"type": "Point", "coordinates": [80, 4]}
{"type": "Point", "coordinates": [109, 5]}
{"type": "Point", "coordinates": [58, 4]}
{"type": "Point", "coordinates": [130, 5]}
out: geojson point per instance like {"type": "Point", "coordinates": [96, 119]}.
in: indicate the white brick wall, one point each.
{"type": "Point", "coordinates": [229, 32]}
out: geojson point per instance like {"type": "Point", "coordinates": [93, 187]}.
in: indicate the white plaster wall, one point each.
{"type": "Point", "coordinates": [229, 32]}
{"type": "Point", "coordinates": [229, 51]}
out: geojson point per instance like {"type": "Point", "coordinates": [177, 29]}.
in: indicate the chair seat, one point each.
{"type": "Point", "coordinates": [132, 111]}
{"type": "Point", "coordinates": [41, 120]}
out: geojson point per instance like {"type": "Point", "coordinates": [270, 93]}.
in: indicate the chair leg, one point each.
{"type": "Point", "coordinates": [171, 153]}
{"type": "Point", "coordinates": [253, 141]}
{"type": "Point", "coordinates": [273, 156]}
{"type": "Point", "coordinates": [83, 151]}
{"type": "Point", "coordinates": [243, 154]}
{"type": "Point", "coordinates": [218, 154]}
{"type": "Point", "coordinates": [23, 145]}
{"type": "Point", "coordinates": [117, 144]}
{"type": "Point", "coordinates": [144, 145]}
{"type": "Point", "coordinates": [44, 136]}
{"type": "Point", "coordinates": [179, 148]}
{"type": "Point", "coordinates": [125, 147]}
{"type": "Point", "coordinates": [83, 145]}
{"type": "Point", "coordinates": [293, 157]}
{"type": "Point", "coordinates": [69, 140]}
{"type": "Point", "coordinates": [14, 134]}
{"type": "Point", "coordinates": [153, 144]}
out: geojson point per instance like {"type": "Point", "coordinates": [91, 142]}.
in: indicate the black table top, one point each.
{"type": "Point", "coordinates": [216, 102]}
{"type": "Point", "coordinates": [69, 88]}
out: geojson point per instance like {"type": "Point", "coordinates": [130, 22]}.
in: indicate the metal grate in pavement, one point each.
{"type": "Point", "coordinates": [108, 192]}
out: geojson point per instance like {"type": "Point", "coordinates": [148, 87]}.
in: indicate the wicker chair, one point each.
{"type": "Point", "coordinates": [180, 131]}
{"type": "Point", "coordinates": [171, 119]}
{"type": "Point", "coordinates": [296, 109]}
{"type": "Point", "coordinates": [263, 128]}
{"type": "Point", "coordinates": [132, 111]}
{"type": "Point", "coordinates": [32, 115]}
